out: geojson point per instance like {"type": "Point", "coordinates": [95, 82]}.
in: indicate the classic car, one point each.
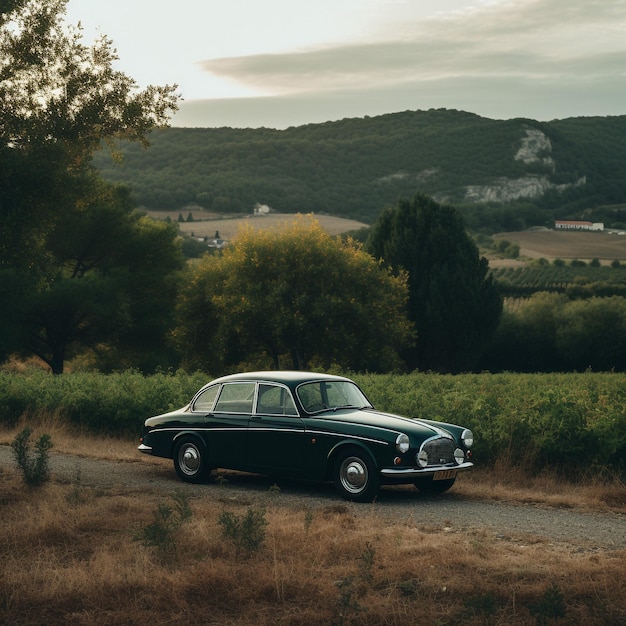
{"type": "Point", "coordinates": [306, 425]}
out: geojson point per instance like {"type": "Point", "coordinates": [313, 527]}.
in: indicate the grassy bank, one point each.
{"type": "Point", "coordinates": [75, 555]}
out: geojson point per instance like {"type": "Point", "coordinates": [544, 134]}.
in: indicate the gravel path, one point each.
{"type": "Point", "coordinates": [453, 511]}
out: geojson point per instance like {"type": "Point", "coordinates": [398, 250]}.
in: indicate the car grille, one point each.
{"type": "Point", "coordinates": [440, 451]}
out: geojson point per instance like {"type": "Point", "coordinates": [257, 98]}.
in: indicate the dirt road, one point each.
{"type": "Point", "coordinates": [577, 530]}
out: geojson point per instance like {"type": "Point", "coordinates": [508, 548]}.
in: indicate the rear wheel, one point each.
{"type": "Point", "coordinates": [430, 486]}
{"type": "Point", "coordinates": [190, 461]}
{"type": "Point", "coordinates": [355, 476]}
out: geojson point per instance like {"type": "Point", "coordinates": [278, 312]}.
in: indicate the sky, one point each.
{"type": "Point", "coordinates": [281, 63]}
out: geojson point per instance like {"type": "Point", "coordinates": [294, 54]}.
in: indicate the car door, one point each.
{"type": "Point", "coordinates": [276, 433]}
{"type": "Point", "coordinates": [226, 424]}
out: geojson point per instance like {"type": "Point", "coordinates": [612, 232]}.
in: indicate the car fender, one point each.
{"type": "Point", "coordinates": [342, 445]}
{"type": "Point", "coordinates": [188, 434]}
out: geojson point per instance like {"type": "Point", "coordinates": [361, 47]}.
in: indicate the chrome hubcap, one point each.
{"type": "Point", "coordinates": [189, 460]}
{"type": "Point", "coordinates": [353, 474]}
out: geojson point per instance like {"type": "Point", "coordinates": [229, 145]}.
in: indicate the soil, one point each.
{"type": "Point", "coordinates": [551, 244]}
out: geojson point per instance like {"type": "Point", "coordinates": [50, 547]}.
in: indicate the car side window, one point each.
{"type": "Point", "coordinates": [236, 398]}
{"type": "Point", "coordinates": [275, 400]}
{"type": "Point", "coordinates": [311, 396]}
{"type": "Point", "coordinates": [204, 402]}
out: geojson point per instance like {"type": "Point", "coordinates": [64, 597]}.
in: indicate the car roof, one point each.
{"type": "Point", "coordinates": [292, 377]}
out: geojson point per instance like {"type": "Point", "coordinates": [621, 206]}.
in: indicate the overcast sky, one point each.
{"type": "Point", "coordinates": [280, 63]}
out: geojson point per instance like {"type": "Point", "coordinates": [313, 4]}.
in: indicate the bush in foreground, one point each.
{"type": "Point", "coordinates": [34, 468]}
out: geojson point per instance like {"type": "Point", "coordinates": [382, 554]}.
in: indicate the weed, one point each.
{"type": "Point", "coordinates": [367, 563]}
{"type": "Point", "coordinates": [308, 520]}
{"type": "Point", "coordinates": [484, 604]}
{"type": "Point", "coordinates": [76, 496]}
{"type": "Point", "coordinates": [35, 469]}
{"type": "Point", "coordinates": [352, 588]}
{"type": "Point", "coordinates": [247, 531]}
{"type": "Point", "coordinates": [551, 605]}
{"type": "Point", "coordinates": [274, 490]}
{"type": "Point", "coordinates": [348, 603]}
{"type": "Point", "coordinates": [161, 533]}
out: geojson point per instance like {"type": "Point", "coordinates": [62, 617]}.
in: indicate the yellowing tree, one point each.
{"type": "Point", "coordinates": [294, 297]}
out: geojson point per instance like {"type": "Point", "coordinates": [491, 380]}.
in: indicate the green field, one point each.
{"type": "Point", "coordinates": [573, 422]}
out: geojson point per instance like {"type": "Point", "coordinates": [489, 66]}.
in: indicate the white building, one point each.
{"type": "Point", "coordinates": [577, 225]}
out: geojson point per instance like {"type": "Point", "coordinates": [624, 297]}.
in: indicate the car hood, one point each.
{"type": "Point", "coordinates": [378, 419]}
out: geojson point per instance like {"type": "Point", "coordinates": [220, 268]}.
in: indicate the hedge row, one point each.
{"type": "Point", "coordinates": [570, 421]}
{"type": "Point", "coordinates": [536, 420]}
{"type": "Point", "coordinates": [115, 404]}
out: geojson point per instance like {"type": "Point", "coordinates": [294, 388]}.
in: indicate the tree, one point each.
{"type": "Point", "coordinates": [591, 334]}
{"type": "Point", "coordinates": [64, 231]}
{"type": "Point", "coordinates": [452, 301]}
{"type": "Point", "coordinates": [526, 338]}
{"type": "Point", "coordinates": [59, 99]}
{"type": "Point", "coordinates": [109, 284]}
{"type": "Point", "coordinates": [295, 296]}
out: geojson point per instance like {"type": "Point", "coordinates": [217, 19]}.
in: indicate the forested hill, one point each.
{"type": "Point", "coordinates": [503, 174]}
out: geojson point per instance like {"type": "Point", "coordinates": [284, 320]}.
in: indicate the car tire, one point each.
{"type": "Point", "coordinates": [433, 487]}
{"type": "Point", "coordinates": [355, 476]}
{"type": "Point", "coordinates": [190, 461]}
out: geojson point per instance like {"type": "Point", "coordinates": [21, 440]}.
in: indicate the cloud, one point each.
{"type": "Point", "coordinates": [538, 59]}
{"type": "Point", "coordinates": [537, 38]}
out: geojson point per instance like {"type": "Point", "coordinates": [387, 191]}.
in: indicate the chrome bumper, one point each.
{"type": "Point", "coordinates": [415, 472]}
{"type": "Point", "coordinates": [144, 448]}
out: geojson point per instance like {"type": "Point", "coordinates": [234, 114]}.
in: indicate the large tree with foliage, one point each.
{"type": "Point", "coordinates": [68, 243]}
{"type": "Point", "coordinates": [296, 297]}
{"type": "Point", "coordinates": [549, 332]}
{"type": "Point", "coordinates": [452, 301]}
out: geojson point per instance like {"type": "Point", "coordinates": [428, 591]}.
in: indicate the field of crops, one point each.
{"type": "Point", "coordinates": [552, 244]}
{"type": "Point", "coordinates": [574, 422]}
{"type": "Point", "coordinates": [523, 281]}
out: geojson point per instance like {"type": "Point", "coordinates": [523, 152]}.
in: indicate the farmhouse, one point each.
{"type": "Point", "coordinates": [577, 225]}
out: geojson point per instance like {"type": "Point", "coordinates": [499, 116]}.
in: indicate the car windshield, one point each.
{"type": "Point", "coordinates": [331, 395]}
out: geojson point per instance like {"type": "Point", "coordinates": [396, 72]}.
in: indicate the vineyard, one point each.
{"type": "Point", "coordinates": [574, 280]}
{"type": "Point", "coordinates": [568, 422]}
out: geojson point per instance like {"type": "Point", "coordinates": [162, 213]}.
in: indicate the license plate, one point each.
{"type": "Point", "coordinates": [445, 475]}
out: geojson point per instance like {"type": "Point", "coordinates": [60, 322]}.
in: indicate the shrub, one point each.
{"type": "Point", "coordinates": [161, 533]}
{"type": "Point", "coordinates": [550, 607]}
{"type": "Point", "coordinates": [247, 532]}
{"type": "Point", "coordinates": [34, 468]}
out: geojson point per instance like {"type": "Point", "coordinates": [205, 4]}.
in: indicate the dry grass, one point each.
{"type": "Point", "coordinates": [68, 441]}
{"type": "Point", "coordinates": [206, 224]}
{"type": "Point", "coordinates": [70, 556]}
{"type": "Point", "coordinates": [597, 492]}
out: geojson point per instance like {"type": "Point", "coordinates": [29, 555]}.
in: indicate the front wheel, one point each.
{"type": "Point", "coordinates": [433, 487]}
{"type": "Point", "coordinates": [190, 461]}
{"type": "Point", "coordinates": [355, 476]}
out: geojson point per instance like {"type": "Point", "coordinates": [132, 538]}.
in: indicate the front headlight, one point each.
{"type": "Point", "coordinates": [402, 443]}
{"type": "Point", "coordinates": [467, 437]}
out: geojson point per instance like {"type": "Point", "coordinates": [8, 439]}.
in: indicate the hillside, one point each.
{"type": "Point", "coordinates": [504, 174]}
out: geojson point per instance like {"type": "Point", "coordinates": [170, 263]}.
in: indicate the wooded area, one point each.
{"type": "Point", "coordinates": [356, 167]}
{"type": "Point", "coordinates": [88, 280]}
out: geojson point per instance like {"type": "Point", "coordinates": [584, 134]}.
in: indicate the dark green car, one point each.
{"type": "Point", "coordinates": [310, 426]}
